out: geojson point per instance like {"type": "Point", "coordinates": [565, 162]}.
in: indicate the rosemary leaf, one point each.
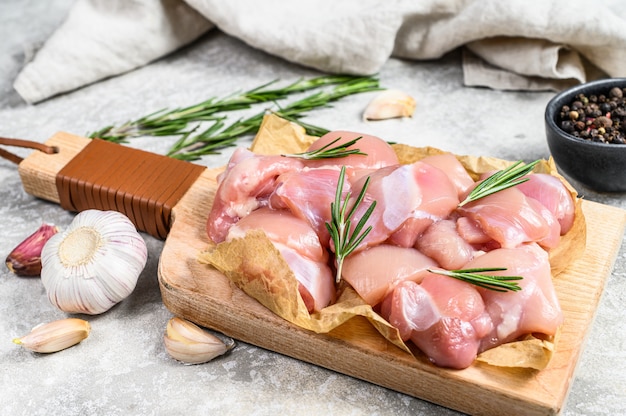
{"type": "Point", "coordinates": [344, 241]}
{"type": "Point", "coordinates": [478, 278]}
{"type": "Point", "coordinates": [219, 136]}
{"type": "Point", "coordinates": [329, 152]}
{"type": "Point", "coordinates": [507, 178]}
{"type": "Point", "coordinates": [175, 122]}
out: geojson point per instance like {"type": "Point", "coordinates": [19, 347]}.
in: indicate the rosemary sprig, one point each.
{"type": "Point", "coordinates": [478, 278]}
{"type": "Point", "coordinates": [346, 242]}
{"type": "Point", "coordinates": [329, 152]}
{"type": "Point", "coordinates": [175, 122]}
{"type": "Point", "coordinates": [218, 135]}
{"type": "Point", "coordinates": [507, 178]}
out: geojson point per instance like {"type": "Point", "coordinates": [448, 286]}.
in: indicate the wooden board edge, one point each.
{"type": "Point", "coordinates": [430, 383]}
{"type": "Point", "coordinates": [38, 171]}
{"type": "Point", "coordinates": [208, 312]}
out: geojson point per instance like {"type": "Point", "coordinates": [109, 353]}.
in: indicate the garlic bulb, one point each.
{"type": "Point", "coordinates": [190, 344]}
{"type": "Point", "coordinates": [94, 264]}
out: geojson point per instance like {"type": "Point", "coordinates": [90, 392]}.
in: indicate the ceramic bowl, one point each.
{"type": "Point", "coordinates": [598, 166]}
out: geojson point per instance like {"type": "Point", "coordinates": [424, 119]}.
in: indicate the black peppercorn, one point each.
{"type": "Point", "coordinates": [616, 92]}
{"type": "Point", "coordinates": [567, 126]}
{"type": "Point", "coordinates": [603, 121]}
{"type": "Point", "coordinates": [598, 117]}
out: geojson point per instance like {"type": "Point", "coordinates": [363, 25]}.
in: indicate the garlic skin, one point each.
{"type": "Point", "coordinates": [55, 336]}
{"type": "Point", "coordinates": [25, 258]}
{"type": "Point", "coordinates": [94, 264]}
{"type": "Point", "coordinates": [390, 104]}
{"type": "Point", "coordinates": [190, 344]}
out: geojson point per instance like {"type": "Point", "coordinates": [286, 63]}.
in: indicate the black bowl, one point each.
{"type": "Point", "coordinates": [598, 166]}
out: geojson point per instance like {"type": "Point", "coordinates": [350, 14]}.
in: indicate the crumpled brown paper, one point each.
{"type": "Point", "coordinates": [257, 267]}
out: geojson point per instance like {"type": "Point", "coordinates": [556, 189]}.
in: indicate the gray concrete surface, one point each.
{"type": "Point", "coordinates": [123, 368]}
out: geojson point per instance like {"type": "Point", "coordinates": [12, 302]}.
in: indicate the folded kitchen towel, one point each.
{"type": "Point", "coordinates": [514, 44]}
{"type": "Point", "coordinates": [104, 38]}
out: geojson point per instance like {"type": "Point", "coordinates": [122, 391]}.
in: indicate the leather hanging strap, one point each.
{"type": "Point", "coordinates": [142, 185]}
{"type": "Point", "coordinates": [22, 143]}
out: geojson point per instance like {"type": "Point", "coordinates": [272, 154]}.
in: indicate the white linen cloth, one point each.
{"type": "Point", "coordinates": [513, 44]}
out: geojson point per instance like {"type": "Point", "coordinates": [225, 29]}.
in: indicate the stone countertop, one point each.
{"type": "Point", "coordinates": [123, 368]}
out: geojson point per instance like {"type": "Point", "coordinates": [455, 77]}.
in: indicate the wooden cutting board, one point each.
{"type": "Point", "coordinates": [202, 295]}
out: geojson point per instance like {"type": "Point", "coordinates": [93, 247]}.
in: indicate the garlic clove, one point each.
{"type": "Point", "coordinates": [25, 259]}
{"type": "Point", "coordinates": [94, 264]}
{"type": "Point", "coordinates": [55, 336]}
{"type": "Point", "coordinates": [390, 104]}
{"type": "Point", "coordinates": [190, 344]}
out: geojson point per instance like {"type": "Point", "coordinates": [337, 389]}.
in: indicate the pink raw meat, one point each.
{"type": "Point", "coordinates": [442, 242]}
{"type": "Point", "coordinates": [378, 152]}
{"type": "Point", "coordinates": [244, 187]}
{"type": "Point", "coordinates": [300, 248]}
{"type": "Point", "coordinates": [452, 321]}
{"type": "Point", "coordinates": [449, 164]}
{"type": "Point", "coordinates": [508, 218]}
{"type": "Point", "coordinates": [376, 271]}
{"type": "Point", "coordinates": [552, 194]}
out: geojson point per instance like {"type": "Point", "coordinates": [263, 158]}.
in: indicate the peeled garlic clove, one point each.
{"type": "Point", "coordinates": [55, 336]}
{"type": "Point", "coordinates": [25, 259]}
{"type": "Point", "coordinates": [94, 264]}
{"type": "Point", "coordinates": [190, 344]}
{"type": "Point", "coordinates": [390, 104]}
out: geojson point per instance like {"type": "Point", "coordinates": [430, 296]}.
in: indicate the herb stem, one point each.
{"type": "Point", "coordinates": [503, 179]}
{"type": "Point", "coordinates": [329, 152]}
{"type": "Point", "coordinates": [191, 146]}
{"type": "Point", "coordinates": [176, 122]}
{"type": "Point", "coordinates": [486, 281]}
{"type": "Point", "coordinates": [218, 135]}
{"type": "Point", "coordinates": [346, 242]}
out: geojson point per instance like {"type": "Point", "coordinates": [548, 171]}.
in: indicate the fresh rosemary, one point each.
{"type": "Point", "coordinates": [478, 278]}
{"type": "Point", "coordinates": [329, 152]}
{"type": "Point", "coordinates": [190, 146]}
{"type": "Point", "coordinates": [218, 135]}
{"type": "Point", "coordinates": [507, 178]}
{"type": "Point", "coordinates": [346, 242]}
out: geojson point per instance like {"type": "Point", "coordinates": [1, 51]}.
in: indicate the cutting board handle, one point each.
{"type": "Point", "coordinates": [95, 174]}
{"type": "Point", "coordinates": [23, 143]}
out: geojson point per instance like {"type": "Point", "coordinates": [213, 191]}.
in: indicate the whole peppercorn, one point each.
{"type": "Point", "coordinates": [603, 121]}
{"type": "Point", "coordinates": [619, 112]}
{"type": "Point", "coordinates": [598, 117]}
{"type": "Point", "coordinates": [568, 126]}
{"type": "Point", "coordinates": [580, 126]}
{"type": "Point", "coordinates": [616, 92]}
